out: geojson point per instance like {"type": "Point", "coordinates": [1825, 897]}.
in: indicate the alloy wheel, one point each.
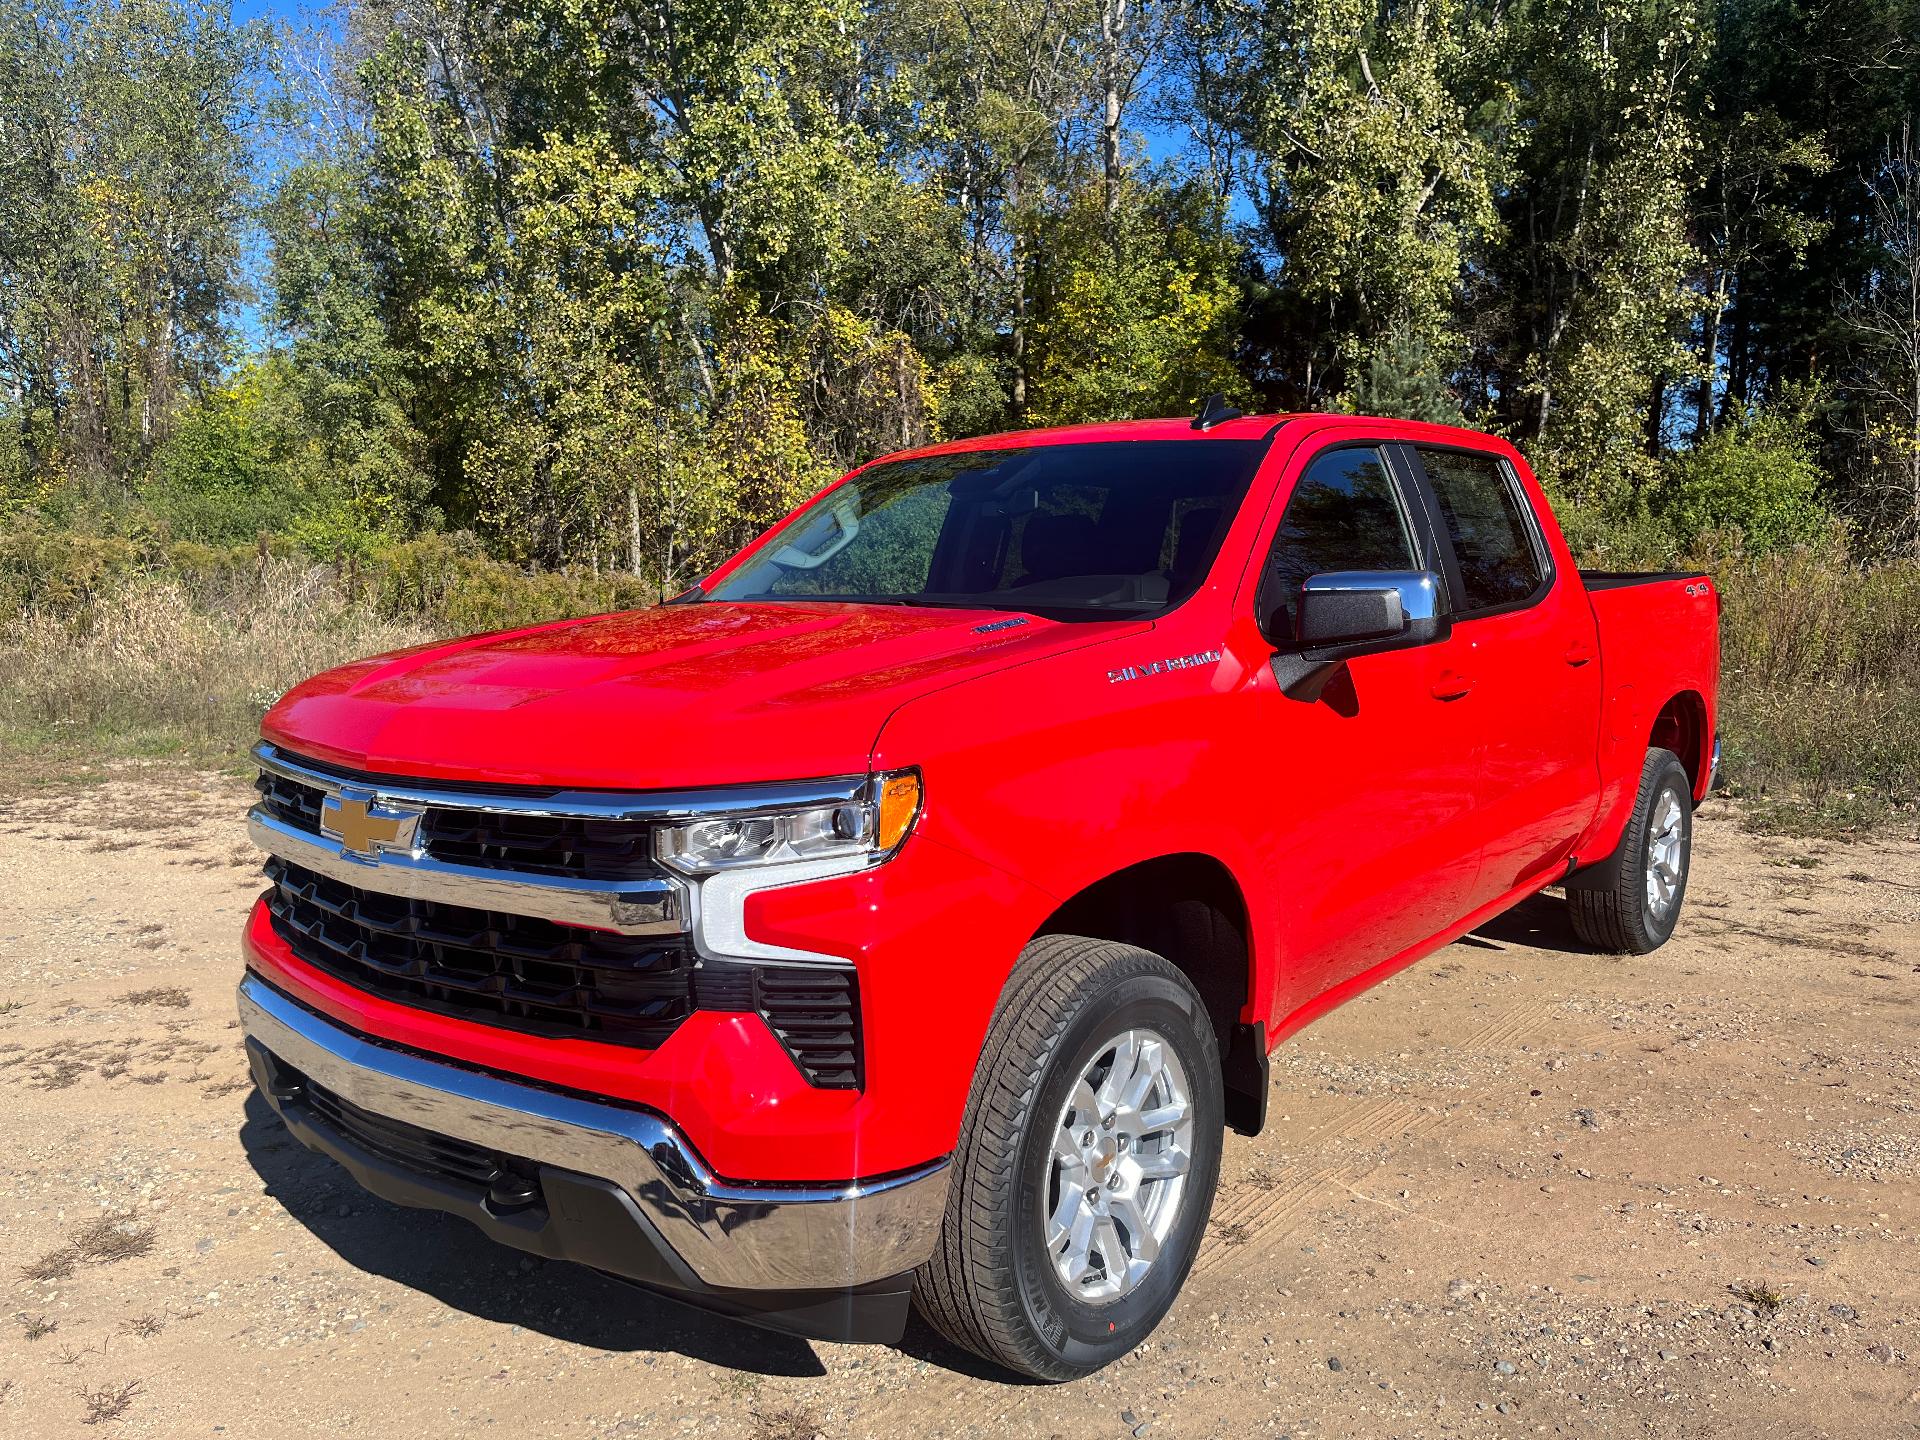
{"type": "Point", "coordinates": [1666, 855]}
{"type": "Point", "coordinates": [1121, 1153]}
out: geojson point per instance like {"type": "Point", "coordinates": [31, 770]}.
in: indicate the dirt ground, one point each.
{"type": "Point", "coordinates": [1517, 1190]}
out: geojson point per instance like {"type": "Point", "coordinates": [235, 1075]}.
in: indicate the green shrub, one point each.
{"type": "Point", "coordinates": [59, 569]}
{"type": "Point", "coordinates": [457, 587]}
{"type": "Point", "coordinates": [223, 474]}
{"type": "Point", "coordinates": [1611, 540]}
{"type": "Point", "coordinates": [1762, 478]}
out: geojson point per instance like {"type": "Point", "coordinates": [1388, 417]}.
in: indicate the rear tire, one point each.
{"type": "Point", "coordinates": [1630, 902]}
{"type": "Point", "coordinates": [1051, 1179]}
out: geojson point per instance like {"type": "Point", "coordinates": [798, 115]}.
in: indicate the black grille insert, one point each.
{"type": "Point", "coordinates": [404, 1144]}
{"type": "Point", "coordinates": [544, 844]}
{"type": "Point", "coordinates": [289, 801]}
{"type": "Point", "coordinates": [549, 979]}
{"type": "Point", "coordinates": [511, 970]}
{"type": "Point", "coordinates": [816, 1014]}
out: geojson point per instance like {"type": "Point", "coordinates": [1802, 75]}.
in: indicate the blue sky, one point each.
{"type": "Point", "coordinates": [264, 10]}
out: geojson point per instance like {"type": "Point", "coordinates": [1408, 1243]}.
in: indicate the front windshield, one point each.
{"type": "Point", "coordinates": [1073, 531]}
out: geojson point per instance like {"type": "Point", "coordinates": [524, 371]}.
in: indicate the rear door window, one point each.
{"type": "Point", "coordinates": [1493, 541]}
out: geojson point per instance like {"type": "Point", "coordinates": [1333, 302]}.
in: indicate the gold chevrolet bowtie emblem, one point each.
{"type": "Point", "coordinates": [365, 827]}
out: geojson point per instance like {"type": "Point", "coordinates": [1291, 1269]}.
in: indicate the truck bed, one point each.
{"type": "Point", "coordinates": [1619, 579]}
{"type": "Point", "coordinates": [1659, 639]}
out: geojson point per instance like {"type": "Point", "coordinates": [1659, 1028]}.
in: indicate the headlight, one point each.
{"type": "Point", "coordinates": [869, 828]}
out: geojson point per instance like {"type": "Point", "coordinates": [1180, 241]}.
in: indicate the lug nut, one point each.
{"type": "Point", "coordinates": [1087, 1139]}
{"type": "Point", "coordinates": [1113, 1181]}
{"type": "Point", "coordinates": [1093, 1194]}
{"type": "Point", "coordinates": [1121, 1143]}
{"type": "Point", "coordinates": [1106, 1122]}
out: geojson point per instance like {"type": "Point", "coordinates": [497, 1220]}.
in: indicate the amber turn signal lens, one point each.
{"type": "Point", "coordinates": [899, 803]}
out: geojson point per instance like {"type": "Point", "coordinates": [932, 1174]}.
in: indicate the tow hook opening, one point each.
{"type": "Point", "coordinates": [515, 1186]}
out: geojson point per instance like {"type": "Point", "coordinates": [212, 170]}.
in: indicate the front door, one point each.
{"type": "Point", "coordinates": [1370, 787]}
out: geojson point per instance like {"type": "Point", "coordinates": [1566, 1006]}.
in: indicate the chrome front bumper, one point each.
{"type": "Point", "coordinates": [730, 1237]}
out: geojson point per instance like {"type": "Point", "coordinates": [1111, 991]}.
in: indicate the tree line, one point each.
{"type": "Point", "coordinates": [611, 283]}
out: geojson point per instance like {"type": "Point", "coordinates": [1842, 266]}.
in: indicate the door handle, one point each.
{"type": "Point", "coordinates": [1450, 685]}
{"type": "Point", "coordinates": [1579, 653]}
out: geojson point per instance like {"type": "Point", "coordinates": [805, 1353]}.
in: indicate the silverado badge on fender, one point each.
{"type": "Point", "coordinates": [1162, 667]}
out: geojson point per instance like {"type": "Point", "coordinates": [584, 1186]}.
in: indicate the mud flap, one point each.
{"type": "Point", "coordinates": [1244, 1077]}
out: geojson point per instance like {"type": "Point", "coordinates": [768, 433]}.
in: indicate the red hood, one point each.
{"type": "Point", "coordinates": [679, 696]}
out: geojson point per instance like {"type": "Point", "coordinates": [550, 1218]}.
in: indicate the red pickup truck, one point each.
{"type": "Point", "coordinates": [902, 914]}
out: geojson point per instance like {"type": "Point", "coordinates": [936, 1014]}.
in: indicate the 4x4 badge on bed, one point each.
{"type": "Point", "coordinates": [365, 827]}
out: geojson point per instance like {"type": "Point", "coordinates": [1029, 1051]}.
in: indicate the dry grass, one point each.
{"type": "Point", "coordinates": [54, 1265]}
{"type": "Point", "coordinates": [1761, 1296]}
{"type": "Point", "coordinates": [171, 996]}
{"type": "Point", "coordinates": [1820, 689]}
{"type": "Point", "coordinates": [792, 1422]}
{"type": "Point", "coordinates": [38, 1327]}
{"type": "Point", "coordinates": [62, 1074]}
{"type": "Point", "coordinates": [99, 1242]}
{"type": "Point", "coordinates": [107, 1402]}
{"type": "Point", "coordinates": [152, 668]}
{"type": "Point", "coordinates": [111, 1238]}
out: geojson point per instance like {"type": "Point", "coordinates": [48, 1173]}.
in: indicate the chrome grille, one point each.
{"type": "Point", "coordinates": [287, 799]}
{"type": "Point", "coordinates": [537, 911]}
{"type": "Point", "coordinates": [525, 974]}
{"type": "Point", "coordinates": [576, 845]}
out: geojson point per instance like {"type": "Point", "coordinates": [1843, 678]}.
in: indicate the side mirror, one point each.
{"type": "Point", "coordinates": [1342, 615]}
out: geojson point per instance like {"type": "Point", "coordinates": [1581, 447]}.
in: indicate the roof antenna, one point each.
{"type": "Point", "coordinates": [1213, 410]}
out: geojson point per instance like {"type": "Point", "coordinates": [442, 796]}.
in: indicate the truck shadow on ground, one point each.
{"type": "Point", "coordinates": [1541, 921]}
{"type": "Point", "coordinates": [442, 1256]}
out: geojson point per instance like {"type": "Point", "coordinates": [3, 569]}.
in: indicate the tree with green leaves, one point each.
{"type": "Point", "coordinates": [1592, 277]}
{"type": "Point", "coordinates": [350, 382]}
{"type": "Point", "coordinates": [613, 282]}
{"type": "Point", "coordinates": [1381, 143]}
{"type": "Point", "coordinates": [124, 174]}
{"type": "Point", "coordinates": [1884, 315]}
{"type": "Point", "coordinates": [1135, 308]}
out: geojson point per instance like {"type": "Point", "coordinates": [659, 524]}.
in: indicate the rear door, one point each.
{"type": "Point", "coordinates": [1530, 656]}
{"type": "Point", "coordinates": [1365, 805]}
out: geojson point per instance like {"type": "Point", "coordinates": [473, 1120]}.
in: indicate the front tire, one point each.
{"type": "Point", "coordinates": [1630, 902]}
{"type": "Point", "coordinates": [1086, 1166]}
